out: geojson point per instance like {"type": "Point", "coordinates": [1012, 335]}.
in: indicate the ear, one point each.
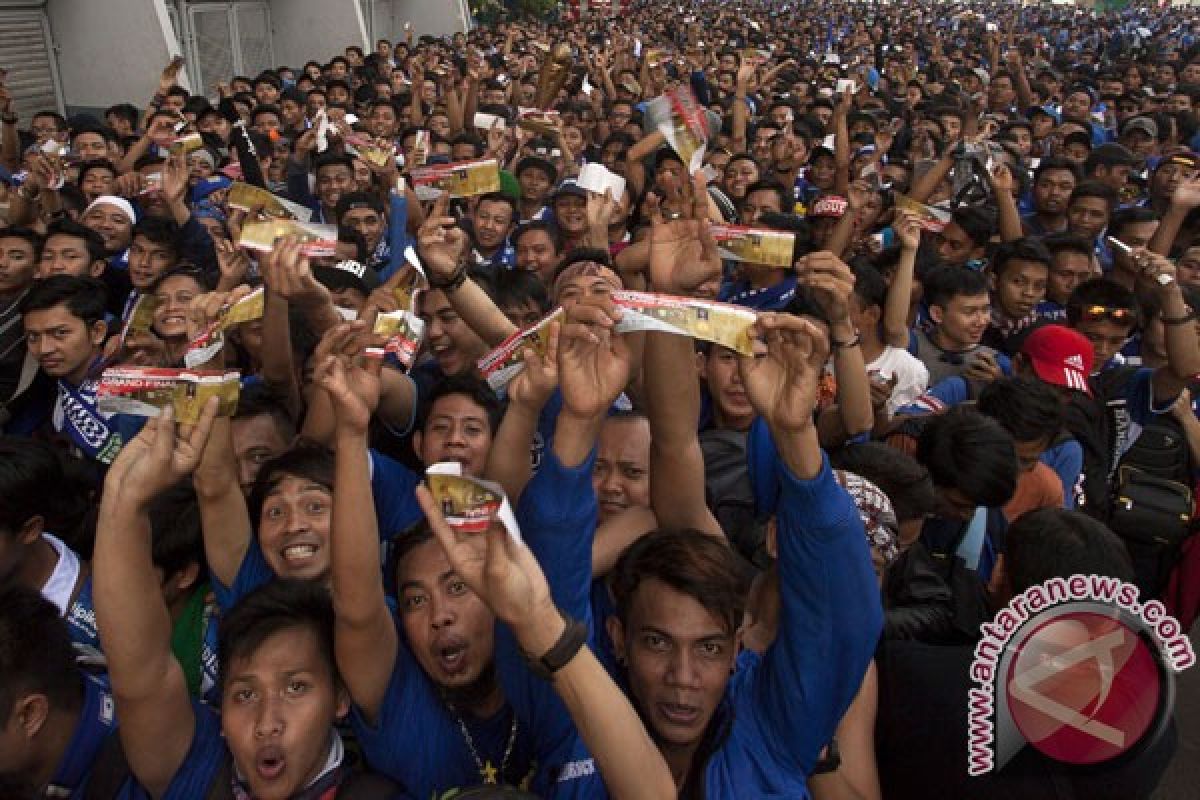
{"type": "Point", "coordinates": [97, 331]}
{"type": "Point", "coordinates": [97, 268]}
{"type": "Point", "coordinates": [701, 365]}
{"type": "Point", "coordinates": [935, 314]}
{"type": "Point", "coordinates": [186, 578]}
{"type": "Point", "coordinates": [31, 531]}
{"type": "Point", "coordinates": [31, 712]}
{"type": "Point", "coordinates": [342, 699]}
{"type": "Point", "coordinates": [616, 635]}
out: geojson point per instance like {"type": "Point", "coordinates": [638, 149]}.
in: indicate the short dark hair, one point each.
{"type": "Point", "coordinates": [1099, 292]}
{"type": "Point", "coordinates": [29, 235]}
{"type": "Point", "coordinates": [943, 284]}
{"type": "Point", "coordinates": [102, 131]}
{"type": "Point", "coordinates": [95, 164]}
{"type": "Point", "coordinates": [160, 231]}
{"type": "Point", "coordinates": [30, 479]}
{"type": "Point", "coordinates": [551, 230]}
{"type": "Point", "coordinates": [85, 298]}
{"type": "Point", "coordinates": [333, 160]}
{"type": "Point", "coordinates": [689, 562]}
{"type": "Point", "coordinates": [515, 287]}
{"type": "Point", "coordinates": [1067, 243]}
{"type": "Point", "coordinates": [125, 111]}
{"type": "Point", "coordinates": [1095, 189]}
{"type": "Point", "coordinates": [470, 386]}
{"type": "Point", "coordinates": [978, 223]}
{"type": "Point", "coordinates": [964, 450]}
{"type": "Point", "coordinates": [1023, 249]}
{"type": "Point", "coordinates": [1129, 216]}
{"type": "Point", "coordinates": [351, 199]}
{"type": "Point", "coordinates": [91, 239]}
{"type": "Point", "coordinates": [500, 197]}
{"type": "Point", "coordinates": [176, 538]}
{"type": "Point", "coordinates": [185, 270]}
{"type": "Point", "coordinates": [781, 192]}
{"type": "Point", "coordinates": [1056, 163]}
{"type": "Point", "coordinates": [869, 286]}
{"type": "Point", "coordinates": [258, 400]}
{"type": "Point", "coordinates": [1025, 407]}
{"type": "Point", "coordinates": [36, 655]}
{"type": "Point", "coordinates": [278, 605]}
{"type": "Point", "coordinates": [1056, 543]}
{"type": "Point", "coordinates": [305, 459]}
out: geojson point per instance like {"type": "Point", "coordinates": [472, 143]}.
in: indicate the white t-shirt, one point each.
{"type": "Point", "coordinates": [912, 378]}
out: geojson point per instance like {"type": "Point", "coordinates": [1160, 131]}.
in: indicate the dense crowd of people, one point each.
{"type": "Point", "coordinates": [753, 568]}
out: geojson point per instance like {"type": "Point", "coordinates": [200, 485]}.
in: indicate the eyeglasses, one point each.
{"type": "Point", "coordinates": [1119, 315]}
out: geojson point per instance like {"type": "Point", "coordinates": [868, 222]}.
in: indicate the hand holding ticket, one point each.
{"type": "Point", "coordinates": [146, 391]}
{"type": "Point", "coordinates": [469, 504]}
{"type": "Point", "coordinates": [315, 239]}
{"type": "Point", "coordinates": [504, 363]}
{"type": "Point", "coordinates": [720, 323]}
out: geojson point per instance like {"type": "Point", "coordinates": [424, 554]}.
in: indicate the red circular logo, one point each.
{"type": "Point", "coordinates": [1083, 687]}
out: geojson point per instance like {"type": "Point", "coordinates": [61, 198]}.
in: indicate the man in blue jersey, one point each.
{"type": "Point", "coordinates": [280, 691]}
{"type": "Point", "coordinates": [53, 718]}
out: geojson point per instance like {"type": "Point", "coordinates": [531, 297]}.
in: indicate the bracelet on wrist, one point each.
{"type": "Point", "coordinates": [572, 640]}
{"type": "Point", "coordinates": [453, 283]}
{"type": "Point", "coordinates": [855, 342]}
{"type": "Point", "coordinates": [1191, 316]}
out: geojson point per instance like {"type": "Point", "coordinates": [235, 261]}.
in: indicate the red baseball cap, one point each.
{"type": "Point", "coordinates": [1060, 356]}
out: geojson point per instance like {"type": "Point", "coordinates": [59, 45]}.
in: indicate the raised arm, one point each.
{"type": "Point", "coordinates": [899, 294]}
{"type": "Point", "coordinates": [1184, 199]}
{"type": "Point", "coordinates": [507, 577]}
{"type": "Point", "coordinates": [149, 687]}
{"type": "Point", "coordinates": [442, 246]}
{"type": "Point", "coordinates": [683, 257]}
{"type": "Point", "coordinates": [365, 637]}
{"type": "Point", "coordinates": [288, 274]}
{"type": "Point", "coordinates": [1003, 182]}
{"type": "Point", "coordinates": [830, 612]}
{"type": "Point", "coordinates": [509, 462]}
{"type": "Point", "coordinates": [1179, 330]}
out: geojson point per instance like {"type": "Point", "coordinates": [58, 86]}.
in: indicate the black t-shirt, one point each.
{"type": "Point", "coordinates": [921, 740]}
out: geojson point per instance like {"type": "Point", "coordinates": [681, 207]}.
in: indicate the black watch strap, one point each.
{"type": "Point", "coordinates": [574, 637]}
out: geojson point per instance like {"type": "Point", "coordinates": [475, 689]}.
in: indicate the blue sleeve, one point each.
{"type": "Point", "coordinates": [1005, 364]}
{"type": "Point", "coordinates": [1139, 396]}
{"type": "Point", "coordinates": [1066, 459]}
{"type": "Point", "coordinates": [196, 246]}
{"type": "Point", "coordinates": [944, 394]}
{"type": "Point", "coordinates": [557, 515]}
{"type": "Point", "coordinates": [830, 622]}
{"type": "Point", "coordinates": [253, 573]}
{"type": "Point", "coordinates": [393, 487]}
{"type": "Point", "coordinates": [200, 766]}
{"type": "Point", "coordinates": [398, 238]}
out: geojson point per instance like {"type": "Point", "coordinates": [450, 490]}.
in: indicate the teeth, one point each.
{"type": "Point", "coordinates": [299, 551]}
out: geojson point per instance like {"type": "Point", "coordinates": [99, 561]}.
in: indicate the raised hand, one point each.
{"type": "Point", "coordinates": [537, 381]}
{"type": "Point", "coordinates": [1187, 193]}
{"type": "Point", "coordinates": [831, 280]}
{"type": "Point", "coordinates": [782, 386]}
{"type": "Point", "coordinates": [205, 308]}
{"type": "Point", "coordinates": [353, 387]}
{"type": "Point", "coordinates": [1002, 179]}
{"type": "Point", "coordinates": [174, 180]}
{"type": "Point", "coordinates": [599, 209]}
{"type": "Point", "coordinates": [287, 273]}
{"type": "Point", "coordinates": [593, 362]}
{"type": "Point", "coordinates": [498, 568]}
{"type": "Point", "coordinates": [232, 262]}
{"type": "Point", "coordinates": [160, 456]}
{"type": "Point", "coordinates": [170, 75]}
{"type": "Point", "coordinates": [441, 244]}
{"type": "Point", "coordinates": [908, 229]}
{"type": "Point", "coordinates": [683, 254]}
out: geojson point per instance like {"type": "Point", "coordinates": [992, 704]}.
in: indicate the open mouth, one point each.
{"type": "Point", "coordinates": [679, 713]}
{"type": "Point", "coordinates": [299, 556]}
{"type": "Point", "coordinates": [452, 657]}
{"type": "Point", "coordinates": [269, 763]}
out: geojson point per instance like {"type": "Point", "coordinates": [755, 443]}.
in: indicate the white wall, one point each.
{"type": "Point", "coordinates": [316, 29]}
{"type": "Point", "coordinates": [111, 51]}
{"type": "Point", "coordinates": [435, 17]}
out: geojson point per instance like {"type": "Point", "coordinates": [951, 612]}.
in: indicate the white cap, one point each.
{"type": "Point", "coordinates": [112, 200]}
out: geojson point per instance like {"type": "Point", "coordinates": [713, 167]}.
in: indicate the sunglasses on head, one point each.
{"type": "Point", "coordinates": [1119, 315]}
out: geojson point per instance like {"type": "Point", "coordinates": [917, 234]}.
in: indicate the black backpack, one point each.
{"type": "Point", "coordinates": [1152, 502]}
